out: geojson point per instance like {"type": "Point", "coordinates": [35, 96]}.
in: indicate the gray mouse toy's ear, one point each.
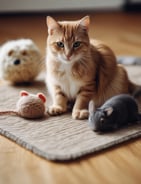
{"type": "Point", "coordinates": [91, 107]}
{"type": "Point", "coordinates": [108, 111]}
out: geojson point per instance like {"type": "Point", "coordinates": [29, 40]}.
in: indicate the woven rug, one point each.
{"type": "Point", "coordinates": [58, 138]}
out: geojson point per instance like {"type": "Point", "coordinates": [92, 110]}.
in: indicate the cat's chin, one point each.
{"type": "Point", "coordinates": [66, 62]}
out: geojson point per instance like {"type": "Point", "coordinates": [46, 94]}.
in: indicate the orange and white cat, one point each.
{"type": "Point", "coordinates": [80, 69]}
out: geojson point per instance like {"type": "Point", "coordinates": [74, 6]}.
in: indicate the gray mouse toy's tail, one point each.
{"type": "Point", "coordinates": [139, 118]}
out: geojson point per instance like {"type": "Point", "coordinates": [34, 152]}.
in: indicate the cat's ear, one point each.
{"type": "Point", "coordinates": [108, 111]}
{"type": "Point", "coordinates": [52, 24]}
{"type": "Point", "coordinates": [91, 107]}
{"type": "Point", "coordinates": [85, 22]}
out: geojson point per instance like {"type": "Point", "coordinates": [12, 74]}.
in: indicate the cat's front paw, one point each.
{"type": "Point", "coordinates": [56, 110]}
{"type": "Point", "coordinates": [80, 114]}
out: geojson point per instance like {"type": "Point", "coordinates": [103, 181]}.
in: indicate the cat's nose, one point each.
{"type": "Point", "coordinates": [17, 62]}
{"type": "Point", "coordinates": [68, 57]}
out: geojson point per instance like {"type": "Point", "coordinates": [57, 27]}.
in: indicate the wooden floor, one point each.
{"type": "Point", "coordinates": [117, 165]}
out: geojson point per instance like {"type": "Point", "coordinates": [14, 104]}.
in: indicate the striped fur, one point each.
{"type": "Point", "coordinates": [81, 73]}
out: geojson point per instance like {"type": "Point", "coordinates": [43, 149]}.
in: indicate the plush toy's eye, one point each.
{"type": "Point", "coordinates": [10, 52]}
{"type": "Point", "coordinates": [24, 53]}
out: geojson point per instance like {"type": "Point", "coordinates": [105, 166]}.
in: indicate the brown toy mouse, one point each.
{"type": "Point", "coordinates": [29, 106]}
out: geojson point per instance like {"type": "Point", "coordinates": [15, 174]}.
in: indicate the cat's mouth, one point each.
{"type": "Point", "coordinates": [65, 60]}
{"type": "Point", "coordinates": [69, 60]}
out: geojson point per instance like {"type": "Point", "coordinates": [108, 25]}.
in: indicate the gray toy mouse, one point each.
{"type": "Point", "coordinates": [116, 112]}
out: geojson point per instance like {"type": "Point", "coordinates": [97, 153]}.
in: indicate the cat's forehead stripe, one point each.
{"type": "Point", "coordinates": [69, 31]}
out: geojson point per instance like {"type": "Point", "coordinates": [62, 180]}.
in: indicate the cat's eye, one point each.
{"type": "Point", "coordinates": [60, 44]}
{"type": "Point", "coordinates": [76, 44]}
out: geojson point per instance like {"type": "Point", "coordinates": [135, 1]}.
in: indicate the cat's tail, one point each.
{"type": "Point", "coordinates": [139, 118]}
{"type": "Point", "coordinates": [134, 89]}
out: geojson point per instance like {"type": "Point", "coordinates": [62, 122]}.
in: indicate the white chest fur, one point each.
{"type": "Point", "coordinates": [69, 85]}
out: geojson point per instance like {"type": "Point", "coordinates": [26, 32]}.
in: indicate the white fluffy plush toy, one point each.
{"type": "Point", "coordinates": [20, 61]}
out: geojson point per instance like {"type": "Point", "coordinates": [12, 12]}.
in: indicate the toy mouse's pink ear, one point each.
{"type": "Point", "coordinates": [24, 93]}
{"type": "Point", "coordinates": [42, 97]}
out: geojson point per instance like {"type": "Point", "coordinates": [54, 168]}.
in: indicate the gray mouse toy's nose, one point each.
{"type": "Point", "coordinates": [92, 126]}
{"type": "Point", "coordinates": [17, 62]}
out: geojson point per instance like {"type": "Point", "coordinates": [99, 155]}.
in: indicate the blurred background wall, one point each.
{"type": "Point", "coordinates": [9, 6]}
{"type": "Point", "coordinates": [59, 5]}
